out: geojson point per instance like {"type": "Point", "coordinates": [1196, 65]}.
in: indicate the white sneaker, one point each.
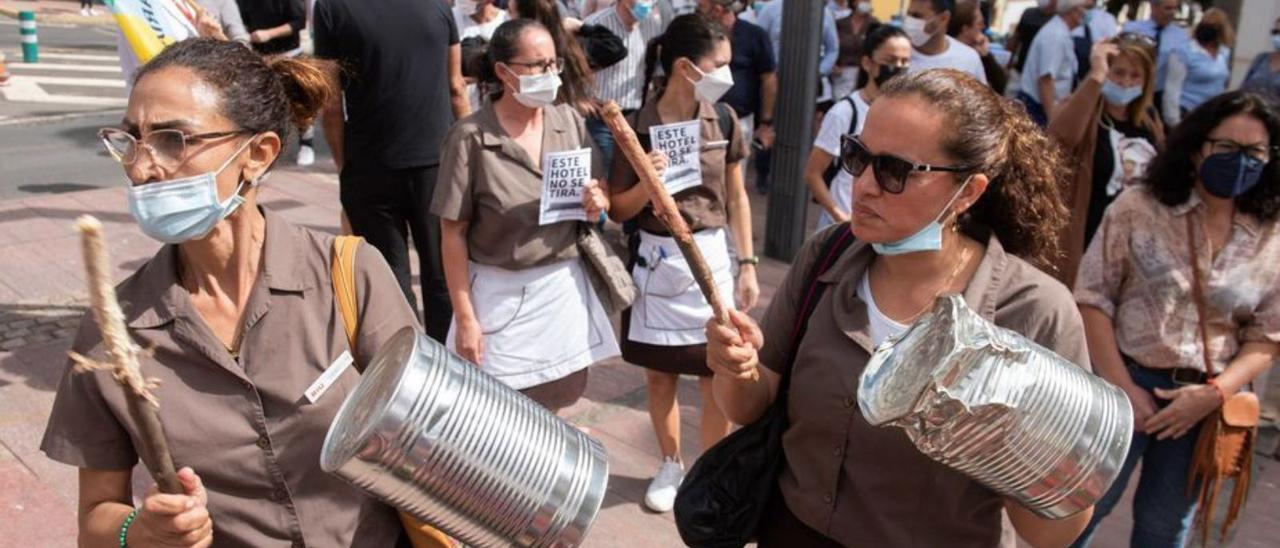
{"type": "Point", "coordinates": [84, 12]}
{"type": "Point", "coordinates": [661, 495]}
{"type": "Point", "coordinates": [306, 155]}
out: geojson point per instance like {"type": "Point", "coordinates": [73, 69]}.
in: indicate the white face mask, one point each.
{"type": "Point", "coordinates": [865, 8]}
{"type": "Point", "coordinates": [713, 85]}
{"type": "Point", "coordinates": [914, 27]}
{"type": "Point", "coordinates": [537, 90]}
{"type": "Point", "coordinates": [467, 7]}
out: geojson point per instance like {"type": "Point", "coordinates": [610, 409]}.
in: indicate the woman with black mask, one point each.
{"type": "Point", "coordinates": [885, 54]}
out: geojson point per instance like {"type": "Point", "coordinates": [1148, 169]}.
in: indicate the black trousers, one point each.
{"type": "Point", "coordinates": [386, 207]}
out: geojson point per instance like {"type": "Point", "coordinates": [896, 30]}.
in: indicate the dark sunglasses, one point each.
{"type": "Point", "coordinates": [1136, 39]}
{"type": "Point", "coordinates": [891, 171]}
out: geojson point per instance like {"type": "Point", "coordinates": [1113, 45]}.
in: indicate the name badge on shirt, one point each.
{"type": "Point", "coordinates": [682, 143]}
{"type": "Point", "coordinates": [564, 174]}
{"type": "Point", "coordinates": [330, 375]}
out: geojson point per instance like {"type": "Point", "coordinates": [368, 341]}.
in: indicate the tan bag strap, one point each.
{"type": "Point", "coordinates": [1197, 295]}
{"type": "Point", "coordinates": [344, 285]}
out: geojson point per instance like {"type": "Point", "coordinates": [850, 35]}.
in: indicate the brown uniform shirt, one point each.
{"type": "Point", "coordinates": [863, 485]}
{"type": "Point", "coordinates": [243, 424]}
{"type": "Point", "coordinates": [701, 206]}
{"type": "Point", "coordinates": [488, 179]}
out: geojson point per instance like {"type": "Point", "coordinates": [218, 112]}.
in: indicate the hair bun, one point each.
{"type": "Point", "coordinates": [309, 85]}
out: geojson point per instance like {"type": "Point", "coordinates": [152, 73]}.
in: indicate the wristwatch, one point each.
{"type": "Point", "coordinates": [752, 260]}
{"type": "Point", "coordinates": [764, 123]}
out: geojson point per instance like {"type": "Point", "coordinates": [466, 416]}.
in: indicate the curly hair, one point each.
{"type": "Point", "coordinates": [1022, 205]}
{"type": "Point", "coordinates": [1172, 174]}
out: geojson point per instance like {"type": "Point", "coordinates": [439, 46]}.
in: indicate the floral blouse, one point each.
{"type": "Point", "coordinates": [1137, 271]}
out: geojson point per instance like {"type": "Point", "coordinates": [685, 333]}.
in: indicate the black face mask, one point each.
{"type": "Point", "coordinates": [1207, 34]}
{"type": "Point", "coordinates": [887, 72]}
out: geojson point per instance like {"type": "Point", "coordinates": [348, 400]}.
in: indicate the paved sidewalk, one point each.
{"type": "Point", "coordinates": [41, 288]}
{"type": "Point", "coordinates": [61, 12]}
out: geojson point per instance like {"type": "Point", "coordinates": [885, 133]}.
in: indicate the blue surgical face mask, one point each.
{"type": "Point", "coordinates": [181, 210]}
{"type": "Point", "coordinates": [1228, 175]}
{"type": "Point", "coordinates": [1119, 95]}
{"type": "Point", "coordinates": [641, 9]}
{"type": "Point", "coordinates": [928, 238]}
{"type": "Point", "coordinates": [1275, 41]}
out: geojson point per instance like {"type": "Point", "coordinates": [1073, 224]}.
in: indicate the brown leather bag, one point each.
{"type": "Point", "coordinates": [343, 270]}
{"type": "Point", "coordinates": [1224, 449]}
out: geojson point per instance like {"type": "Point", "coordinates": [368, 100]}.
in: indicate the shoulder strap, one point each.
{"type": "Point", "coordinates": [1198, 297]}
{"type": "Point", "coordinates": [344, 285]}
{"type": "Point", "coordinates": [836, 244]}
{"type": "Point", "coordinates": [853, 118]}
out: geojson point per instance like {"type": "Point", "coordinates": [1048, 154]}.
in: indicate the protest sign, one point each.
{"type": "Point", "coordinates": [681, 142]}
{"type": "Point", "coordinates": [564, 175]}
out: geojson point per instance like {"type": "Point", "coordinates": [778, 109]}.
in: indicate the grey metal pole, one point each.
{"type": "Point", "coordinates": [793, 119]}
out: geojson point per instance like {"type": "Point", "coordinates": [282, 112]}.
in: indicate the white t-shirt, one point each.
{"type": "Point", "coordinates": [881, 326]}
{"type": "Point", "coordinates": [957, 56]}
{"type": "Point", "coordinates": [834, 125]}
{"type": "Point", "coordinates": [1053, 54]}
{"type": "Point", "coordinates": [468, 27]}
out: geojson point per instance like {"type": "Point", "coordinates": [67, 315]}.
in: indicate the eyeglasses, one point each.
{"type": "Point", "coordinates": [554, 66]}
{"type": "Point", "coordinates": [890, 171]}
{"type": "Point", "coordinates": [1136, 39]}
{"type": "Point", "coordinates": [168, 147]}
{"type": "Point", "coordinates": [1261, 153]}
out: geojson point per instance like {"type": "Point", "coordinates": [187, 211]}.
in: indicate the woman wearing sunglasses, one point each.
{"type": "Point", "coordinates": [1185, 272]}
{"type": "Point", "coordinates": [1111, 130]}
{"type": "Point", "coordinates": [237, 314]}
{"type": "Point", "coordinates": [955, 191]}
{"type": "Point", "coordinates": [510, 276]}
{"type": "Point", "coordinates": [886, 54]}
{"type": "Point", "coordinates": [662, 331]}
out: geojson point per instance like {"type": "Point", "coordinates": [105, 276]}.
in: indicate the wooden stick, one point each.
{"type": "Point", "coordinates": [122, 357]}
{"type": "Point", "coordinates": [664, 208]}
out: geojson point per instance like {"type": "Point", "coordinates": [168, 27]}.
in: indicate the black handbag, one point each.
{"type": "Point", "coordinates": [721, 500]}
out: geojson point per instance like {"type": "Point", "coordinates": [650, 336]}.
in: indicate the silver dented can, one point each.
{"type": "Point", "coordinates": [429, 434]}
{"type": "Point", "coordinates": [1000, 408]}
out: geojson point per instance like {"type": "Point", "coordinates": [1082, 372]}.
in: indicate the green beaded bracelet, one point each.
{"type": "Point", "coordinates": [124, 527]}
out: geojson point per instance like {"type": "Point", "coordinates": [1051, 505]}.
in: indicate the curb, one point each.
{"type": "Point", "coordinates": [67, 19]}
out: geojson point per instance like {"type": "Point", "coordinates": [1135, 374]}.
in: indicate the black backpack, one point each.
{"type": "Point", "coordinates": [834, 169]}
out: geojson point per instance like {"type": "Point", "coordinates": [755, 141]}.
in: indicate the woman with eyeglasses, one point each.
{"type": "Point", "coordinates": [523, 307]}
{"type": "Point", "coordinates": [887, 52]}
{"type": "Point", "coordinates": [1189, 259]}
{"type": "Point", "coordinates": [1263, 76]}
{"type": "Point", "coordinates": [662, 331]}
{"type": "Point", "coordinates": [1111, 131]}
{"type": "Point", "coordinates": [955, 191]}
{"type": "Point", "coordinates": [1200, 68]}
{"type": "Point", "coordinates": [237, 318]}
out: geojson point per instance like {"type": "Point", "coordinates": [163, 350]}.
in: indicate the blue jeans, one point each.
{"type": "Point", "coordinates": [1162, 508]}
{"type": "Point", "coordinates": [604, 141]}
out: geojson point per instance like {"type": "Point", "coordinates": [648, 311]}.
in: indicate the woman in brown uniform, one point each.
{"type": "Point", "coordinates": [524, 309]}
{"type": "Point", "coordinates": [663, 329]}
{"type": "Point", "coordinates": [238, 314]}
{"type": "Point", "coordinates": [955, 191]}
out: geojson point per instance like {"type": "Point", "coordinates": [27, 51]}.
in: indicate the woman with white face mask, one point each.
{"type": "Point", "coordinates": [703, 142]}
{"type": "Point", "coordinates": [524, 309]}
{"type": "Point", "coordinates": [1109, 122]}
{"type": "Point", "coordinates": [238, 314]}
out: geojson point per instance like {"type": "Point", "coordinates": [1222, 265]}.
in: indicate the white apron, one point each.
{"type": "Point", "coordinates": [539, 324]}
{"type": "Point", "coordinates": [669, 309]}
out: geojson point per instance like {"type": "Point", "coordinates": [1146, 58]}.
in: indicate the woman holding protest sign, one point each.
{"type": "Point", "coordinates": [517, 180]}
{"type": "Point", "coordinates": [703, 144]}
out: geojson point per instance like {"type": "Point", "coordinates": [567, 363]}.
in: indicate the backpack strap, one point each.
{"type": "Point", "coordinates": [343, 271]}
{"type": "Point", "coordinates": [853, 114]}
{"type": "Point", "coordinates": [725, 116]}
{"type": "Point", "coordinates": [836, 244]}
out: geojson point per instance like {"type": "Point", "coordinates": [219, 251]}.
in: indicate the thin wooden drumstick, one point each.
{"type": "Point", "coordinates": [122, 357]}
{"type": "Point", "coordinates": [664, 208]}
